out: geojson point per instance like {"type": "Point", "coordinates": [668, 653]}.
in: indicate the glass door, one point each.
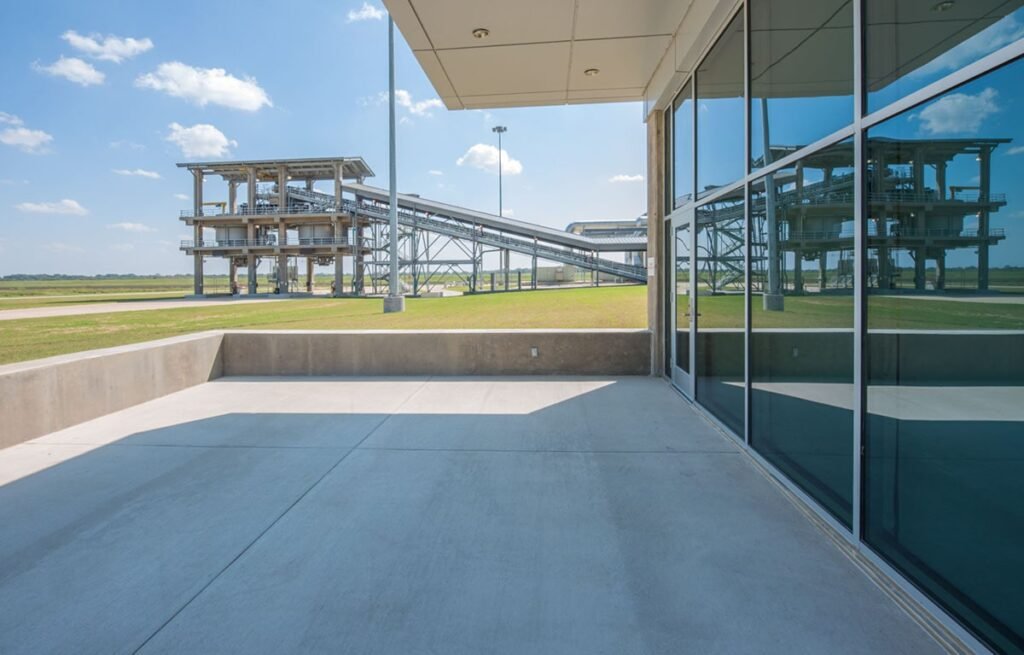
{"type": "Point", "coordinates": [681, 298]}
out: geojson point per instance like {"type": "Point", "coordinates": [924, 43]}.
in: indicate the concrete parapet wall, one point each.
{"type": "Point", "coordinates": [45, 395]}
{"type": "Point", "coordinates": [441, 352]}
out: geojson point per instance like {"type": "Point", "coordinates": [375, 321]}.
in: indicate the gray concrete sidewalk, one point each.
{"type": "Point", "coordinates": [494, 515]}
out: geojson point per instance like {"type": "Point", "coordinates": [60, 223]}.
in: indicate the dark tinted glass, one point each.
{"type": "Point", "coordinates": [720, 114]}
{"type": "Point", "coordinates": [801, 74]}
{"type": "Point", "coordinates": [944, 476]}
{"type": "Point", "coordinates": [682, 291]}
{"type": "Point", "coordinates": [912, 43]}
{"type": "Point", "coordinates": [719, 299]}
{"type": "Point", "coordinates": [802, 395]}
{"type": "Point", "coordinates": [682, 147]}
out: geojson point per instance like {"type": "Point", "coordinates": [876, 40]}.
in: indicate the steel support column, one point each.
{"type": "Point", "coordinates": [282, 229]}
{"type": "Point", "coordinates": [197, 231]}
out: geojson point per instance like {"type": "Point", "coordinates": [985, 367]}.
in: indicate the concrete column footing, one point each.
{"type": "Point", "coordinates": [394, 304]}
{"type": "Point", "coordinates": [774, 302]}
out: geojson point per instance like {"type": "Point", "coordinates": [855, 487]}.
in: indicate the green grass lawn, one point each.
{"type": "Point", "coordinates": [25, 302]}
{"type": "Point", "coordinates": [884, 312]}
{"type": "Point", "coordinates": [615, 307]}
{"type": "Point", "coordinates": [607, 307]}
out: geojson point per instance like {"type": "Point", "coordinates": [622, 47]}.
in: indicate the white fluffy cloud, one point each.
{"type": "Point", "coordinates": [1002, 33]}
{"type": "Point", "coordinates": [26, 140]}
{"type": "Point", "coordinates": [616, 179]}
{"type": "Point", "coordinates": [200, 140]}
{"type": "Point", "coordinates": [137, 172]}
{"type": "Point", "coordinates": [19, 136]}
{"type": "Point", "coordinates": [404, 99]}
{"type": "Point", "coordinates": [485, 157]}
{"type": "Point", "coordinates": [108, 48]}
{"type": "Point", "coordinates": [65, 206]}
{"type": "Point", "coordinates": [366, 12]}
{"type": "Point", "coordinates": [435, 172]}
{"type": "Point", "coordinates": [74, 70]}
{"type": "Point", "coordinates": [419, 108]}
{"type": "Point", "coordinates": [204, 86]}
{"type": "Point", "coordinates": [180, 196]}
{"type": "Point", "coordinates": [958, 113]}
{"type": "Point", "coordinates": [1016, 150]}
{"type": "Point", "coordinates": [130, 227]}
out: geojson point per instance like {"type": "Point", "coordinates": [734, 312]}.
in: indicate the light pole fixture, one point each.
{"type": "Point", "coordinates": [500, 129]}
{"type": "Point", "coordinates": [395, 301]}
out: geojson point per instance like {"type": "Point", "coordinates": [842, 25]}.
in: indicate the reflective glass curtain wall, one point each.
{"type": "Point", "coordinates": [859, 279]}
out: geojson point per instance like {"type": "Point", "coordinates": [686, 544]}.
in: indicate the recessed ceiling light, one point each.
{"type": "Point", "coordinates": [481, 33]}
{"type": "Point", "coordinates": [591, 72]}
{"type": "Point", "coordinates": [946, 5]}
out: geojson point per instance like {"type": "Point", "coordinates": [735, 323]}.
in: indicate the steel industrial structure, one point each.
{"type": "Point", "coordinates": [283, 220]}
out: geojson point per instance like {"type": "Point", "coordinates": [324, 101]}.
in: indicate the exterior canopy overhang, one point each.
{"type": "Point", "coordinates": [267, 170]}
{"type": "Point", "coordinates": [537, 52]}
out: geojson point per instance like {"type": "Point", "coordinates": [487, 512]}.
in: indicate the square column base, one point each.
{"type": "Point", "coordinates": [774, 302]}
{"type": "Point", "coordinates": [394, 304]}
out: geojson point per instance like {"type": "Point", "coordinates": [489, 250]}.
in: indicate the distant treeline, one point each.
{"type": "Point", "coordinates": [22, 277]}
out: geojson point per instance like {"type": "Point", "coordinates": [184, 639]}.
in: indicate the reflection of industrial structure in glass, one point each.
{"type": "Point", "coordinates": [284, 218]}
{"type": "Point", "coordinates": [929, 218]}
{"type": "Point", "coordinates": [916, 216]}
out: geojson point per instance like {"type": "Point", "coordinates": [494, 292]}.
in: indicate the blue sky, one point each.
{"type": "Point", "coordinates": [85, 122]}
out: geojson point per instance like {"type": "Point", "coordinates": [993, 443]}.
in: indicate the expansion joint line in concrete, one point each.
{"type": "Point", "coordinates": [280, 516]}
{"type": "Point", "coordinates": [550, 451]}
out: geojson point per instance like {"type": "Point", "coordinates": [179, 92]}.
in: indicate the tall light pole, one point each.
{"type": "Point", "coordinates": [500, 129]}
{"type": "Point", "coordinates": [395, 301]}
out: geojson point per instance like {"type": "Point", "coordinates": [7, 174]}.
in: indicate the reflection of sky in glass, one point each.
{"type": "Point", "coordinates": [988, 108]}
{"type": "Point", "coordinates": [798, 121]}
{"type": "Point", "coordinates": [682, 125]}
{"type": "Point", "coordinates": [721, 113]}
{"type": "Point", "coordinates": [801, 72]}
{"type": "Point", "coordinates": [719, 142]}
{"type": "Point", "coordinates": [1001, 33]}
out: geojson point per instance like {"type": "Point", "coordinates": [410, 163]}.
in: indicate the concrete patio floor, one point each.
{"type": "Point", "coordinates": [494, 515]}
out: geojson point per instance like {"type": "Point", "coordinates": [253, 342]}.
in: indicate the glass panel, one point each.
{"type": "Point", "coordinates": [801, 348]}
{"type": "Point", "coordinates": [682, 146]}
{"type": "Point", "coordinates": [682, 291]}
{"type": "Point", "coordinates": [912, 43]}
{"type": "Point", "coordinates": [944, 478]}
{"type": "Point", "coordinates": [720, 309]}
{"type": "Point", "coordinates": [801, 74]}
{"type": "Point", "coordinates": [720, 116]}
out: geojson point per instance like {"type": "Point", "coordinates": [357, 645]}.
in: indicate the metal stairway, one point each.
{"type": "Point", "coordinates": [469, 230]}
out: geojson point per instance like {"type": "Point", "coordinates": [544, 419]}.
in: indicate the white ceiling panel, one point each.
{"type": "Point", "coordinates": [431, 65]}
{"type": "Point", "coordinates": [408, 24]}
{"type": "Point", "coordinates": [627, 62]}
{"type": "Point", "coordinates": [513, 100]}
{"type": "Point", "coordinates": [601, 19]}
{"type": "Point", "coordinates": [629, 93]}
{"type": "Point", "coordinates": [507, 69]}
{"type": "Point", "coordinates": [450, 23]}
{"type": "Point", "coordinates": [536, 51]}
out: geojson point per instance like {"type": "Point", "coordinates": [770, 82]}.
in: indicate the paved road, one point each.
{"type": "Point", "coordinates": [109, 307]}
